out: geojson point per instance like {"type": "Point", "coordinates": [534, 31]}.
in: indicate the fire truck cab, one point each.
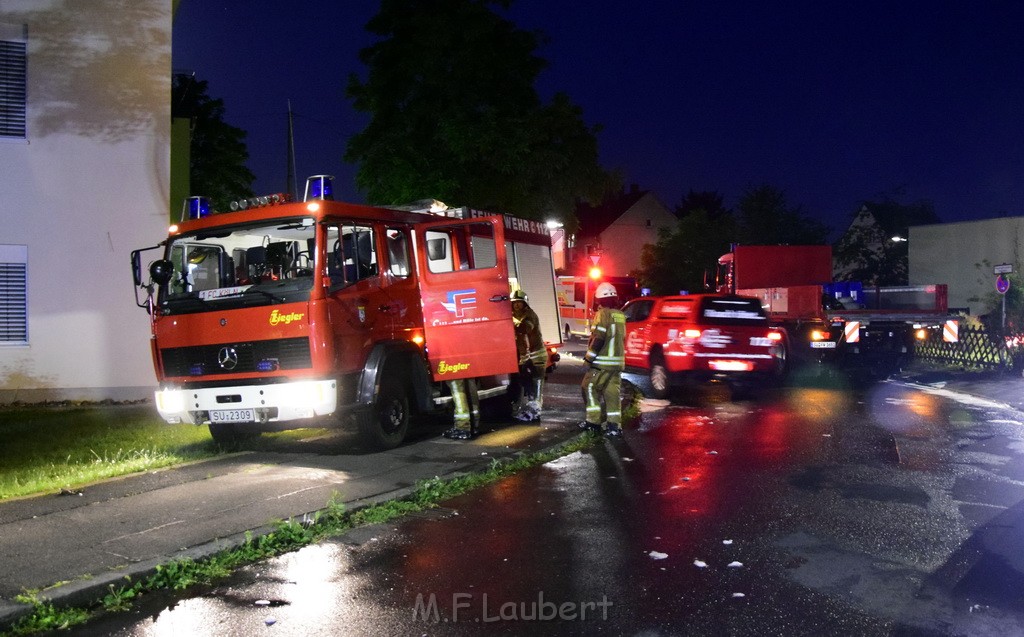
{"type": "Point", "coordinates": [285, 314]}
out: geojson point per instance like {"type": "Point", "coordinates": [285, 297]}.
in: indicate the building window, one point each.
{"type": "Point", "coordinates": [13, 294]}
{"type": "Point", "coordinates": [12, 81]}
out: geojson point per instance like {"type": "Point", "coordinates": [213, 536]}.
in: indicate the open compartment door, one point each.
{"type": "Point", "coordinates": [467, 315]}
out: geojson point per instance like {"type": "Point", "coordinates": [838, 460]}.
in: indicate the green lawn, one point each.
{"type": "Point", "coordinates": [45, 449]}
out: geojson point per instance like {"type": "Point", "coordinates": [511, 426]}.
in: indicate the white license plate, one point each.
{"type": "Point", "coordinates": [823, 345]}
{"type": "Point", "coordinates": [233, 415]}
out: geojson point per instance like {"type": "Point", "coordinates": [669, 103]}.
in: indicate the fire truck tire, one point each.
{"type": "Point", "coordinates": [659, 377]}
{"type": "Point", "coordinates": [567, 333]}
{"type": "Point", "coordinates": [226, 434]}
{"type": "Point", "coordinates": [384, 426]}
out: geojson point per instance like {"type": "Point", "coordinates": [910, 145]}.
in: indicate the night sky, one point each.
{"type": "Point", "coordinates": [833, 103]}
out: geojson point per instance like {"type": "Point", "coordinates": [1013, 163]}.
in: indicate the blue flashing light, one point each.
{"type": "Point", "coordinates": [268, 365]}
{"type": "Point", "coordinates": [196, 369]}
{"type": "Point", "coordinates": [196, 207]}
{"type": "Point", "coordinates": [320, 187]}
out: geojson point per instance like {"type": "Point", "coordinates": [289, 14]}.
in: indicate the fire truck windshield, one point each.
{"type": "Point", "coordinates": [240, 266]}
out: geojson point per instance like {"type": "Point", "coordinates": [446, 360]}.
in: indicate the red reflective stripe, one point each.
{"type": "Point", "coordinates": [951, 331]}
{"type": "Point", "coordinates": [852, 331]}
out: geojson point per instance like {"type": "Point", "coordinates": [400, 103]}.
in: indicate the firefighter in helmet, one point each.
{"type": "Point", "coordinates": [467, 409]}
{"type": "Point", "coordinates": [533, 357]}
{"type": "Point", "coordinates": [606, 357]}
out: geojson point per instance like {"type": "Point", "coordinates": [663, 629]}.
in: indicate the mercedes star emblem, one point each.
{"type": "Point", "coordinates": [227, 357]}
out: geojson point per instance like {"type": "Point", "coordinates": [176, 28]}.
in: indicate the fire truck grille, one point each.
{"type": "Point", "coordinates": [237, 358]}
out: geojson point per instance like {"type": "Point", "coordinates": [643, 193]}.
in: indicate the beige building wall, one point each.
{"type": "Point", "coordinates": [88, 184]}
{"type": "Point", "coordinates": [962, 255]}
{"type": "Point", "coordinates": [622, 242]}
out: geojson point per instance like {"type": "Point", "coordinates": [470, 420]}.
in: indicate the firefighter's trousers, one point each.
{"type": "Point", "coordinates": [535, 389]}
{"type": "Point", "coordinates": [601, 395]}
{"type": "Point", "coordinates": [467, 403]}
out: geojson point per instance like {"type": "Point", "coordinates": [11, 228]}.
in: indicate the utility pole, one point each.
{"type": "Point", "coordinates": [290, 186]}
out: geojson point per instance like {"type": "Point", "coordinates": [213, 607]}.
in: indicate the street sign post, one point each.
{"type": "Point", "coordinates": [1002, 286]}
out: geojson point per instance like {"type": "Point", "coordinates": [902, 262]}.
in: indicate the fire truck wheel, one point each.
{"type": "Point", "coordinates": [385, 425]}
{"type": "Point", "coordinates": [226, 434]}
{"type": "Point", "coordinates": [568, 334]}
{"type": "Point", "coordinates": [659, 377]}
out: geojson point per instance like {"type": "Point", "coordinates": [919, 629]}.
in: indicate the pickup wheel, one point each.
{"type": "Point", "coordinates": [659, 377]}
{"type": "Point", "coordinates": [387, 422]}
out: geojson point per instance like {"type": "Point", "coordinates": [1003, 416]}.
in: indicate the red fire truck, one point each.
{"type": "Point", "coordinates": [282, 314]}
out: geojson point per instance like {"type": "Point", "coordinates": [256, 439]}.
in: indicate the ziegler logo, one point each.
{"type": "Point", "coordinates": [276, 318]}
{"type": "Point", "coordinates": [445, 368]}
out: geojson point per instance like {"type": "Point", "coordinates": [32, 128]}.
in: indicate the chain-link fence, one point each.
{"type": "Point", "coordinates": [975, 349]}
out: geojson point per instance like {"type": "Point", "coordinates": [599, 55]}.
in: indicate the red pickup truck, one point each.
{"type": "Point", "coordinates": [675, 340]}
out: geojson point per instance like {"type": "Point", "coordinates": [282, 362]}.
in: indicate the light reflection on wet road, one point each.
{"type": "Point", "coordinates": [819, 511]}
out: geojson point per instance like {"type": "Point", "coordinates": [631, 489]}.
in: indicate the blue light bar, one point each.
{"type": "Point", "coordinates": [195, 208]}
{"type": "Point", "coordinates": [196, 369]}
{"type": "Point", "coordinates": [320, 187]}
{"type": "Point", "coordinates": [268, 365]}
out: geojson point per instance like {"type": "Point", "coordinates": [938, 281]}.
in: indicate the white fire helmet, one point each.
{"type": "Point", "coordinates": [605, 291]}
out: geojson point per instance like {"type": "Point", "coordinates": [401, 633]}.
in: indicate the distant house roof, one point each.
{"type": "Point", "coordinates": [896, 218]}
{"type": "Point", "coordinates": [596, 219]}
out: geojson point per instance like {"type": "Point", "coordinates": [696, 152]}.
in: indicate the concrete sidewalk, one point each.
{"type": "Point", "coordinates": [126, 527]}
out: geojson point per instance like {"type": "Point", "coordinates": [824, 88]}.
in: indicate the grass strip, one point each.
{"type": "Point", "coordinates": [287, 536]}
{"type": "Point", "coordinates": [46, 449]}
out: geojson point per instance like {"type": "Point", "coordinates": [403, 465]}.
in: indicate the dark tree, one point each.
{"type": "Point", "coordinates": [873, 249]}
{"type": "Point", "coordinates": [217, 149]}
{"type": "Point", "coordinates": [711, 202]}
{"type": "Point", "coordinates": [765, 218]}
{"type": "Point", "coordinates": [454, 115]}
{"type": "Point", "coordinates": [685, 258]}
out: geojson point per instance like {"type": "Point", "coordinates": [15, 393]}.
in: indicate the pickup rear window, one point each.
{"type": "Point", "coordinates": [732, 312]}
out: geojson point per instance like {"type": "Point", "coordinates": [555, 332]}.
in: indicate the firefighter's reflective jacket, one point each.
{"type": "Point", "coordinates": [607, 334]}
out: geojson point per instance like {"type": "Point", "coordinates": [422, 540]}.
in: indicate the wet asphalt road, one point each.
{"type": "Point", "coordinates": [818, 510]}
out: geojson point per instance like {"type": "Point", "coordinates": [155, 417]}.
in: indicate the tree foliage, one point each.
{"type": "Point", "coordinates": [686, 256]}
{"type": "Point", "coordinates": [867, 252]}
{"type": "Point", "coordinates": [995, 304]}
{"type": "Point", "coordinates": [683, 257]}
{"type": "Point", "coordinates": [455, 115]}
{"type": "Point", "coordinates": [764, 217]}
{"type": "Point", "coordinates": [217, 149]}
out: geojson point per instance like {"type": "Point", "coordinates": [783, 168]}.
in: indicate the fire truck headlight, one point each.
{"type": "Point", "coordinates": [304, 394]}
{"type": "Point", "coordinates": [170, 400]}
{"type": "Point", "coordinates": [921, 334]}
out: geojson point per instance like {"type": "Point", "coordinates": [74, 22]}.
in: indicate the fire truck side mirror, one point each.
{"type": "Point", "coordinates": [160, 271]}
{"type": "Point", "coordinates": [137, 267]}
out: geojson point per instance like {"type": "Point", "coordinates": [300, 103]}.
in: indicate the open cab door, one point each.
{"type": "Point", "coordinates": [467, 315]}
